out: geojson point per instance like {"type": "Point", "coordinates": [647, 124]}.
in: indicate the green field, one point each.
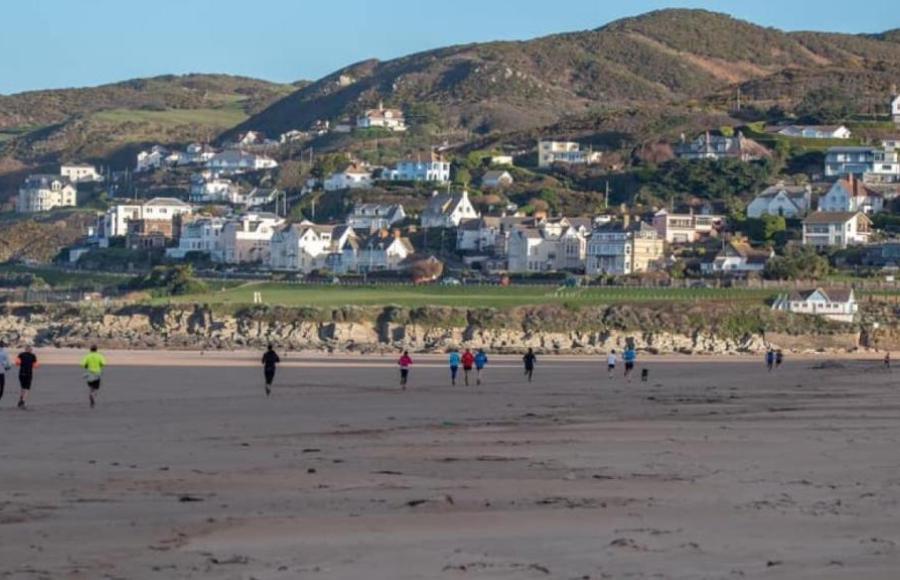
{"type": "Point", "coordinates": [275, 294]}
{"type": "Point", "coordinates": [225, 117]}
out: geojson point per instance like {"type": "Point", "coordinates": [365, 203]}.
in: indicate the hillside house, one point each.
{"type": "Point", "coordinates": [501, 161]}
{"type": "Point", "coordinates": [202, 236]}
{"type": "Point", "coordinates": [836, 229]}
{"type": "Point", "coordinates": [390, 119]}
{"type": "Point", "coordinates": [872, 163]}
{"type": "Point", "coordinates": [495, 179]}
{"type": "Point", "coordinates": [895, 109]}
{"type": "Point", "coordinates": [834, 304]}
{"type": "Point", "coordinates": [80, 173]}
{"type": "Point", "coordinates": [160, 214]}
{"type": "Point", "coordinates": [816, 131]}
{"type": "Point", "coordinates": [154, 158]}
{"type": "Point", "coordinates": [716, 147]}
{"type": "Point", "coordinates": [568, 152]}
{"type": "Point", "coordinates": [355, 176]}
{"type": "Point", "coordinates": [236, 161]}
{"type": "Point", "coordinates": [375, 252]}
{"type": "Point", "coordinates": [789, 201]}
{"type": "Point", "coordinates": [738, 257]}
{"type": "Point", "coordinates": [447, 210]}
{"type": "Point", "coordinates": [430, 167]}
{"type": "Point", "coordinates": [304, 247]}
{"type": "Point", "coordinates": [851, 195]}
{"type": "Point", "coordinates": [621, 249]}
{"type": "Point", "coordinates": [375, 216]}
{"type": "Point", "coordinates": [247, 238]}
{"type": "Point", "coordinates": [207, 189]}
{"type": "Point", "coordinates": [45, 192]}
{"type": "Point", "coordinates": [549, 246]}
{"type": "Point", "coordinates": [686, 228]}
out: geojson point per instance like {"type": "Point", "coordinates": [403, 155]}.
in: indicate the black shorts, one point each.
{"type": "Point", "coordinates": [629, 366]}
{"type": "Point", "coordinates": [611, 367]}
{"type": "Point", "coordinates": [269, 374]}
{"type": "Point", "coordinates": [94, 385]}
{"type": "Point", "coordinates": [404, 373]}
{"type": "Point", "coordinates": [25, 381]}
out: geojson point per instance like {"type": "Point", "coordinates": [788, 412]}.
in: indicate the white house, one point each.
{"type": "Point", "coordinates": [304, 247]}
{"type": "Point", "coordinates": [447, 210]}
{"type": "Point", "coordinates": [152, 159]}
{"type": "Point", "coordinates": [816, 131]}
{"type": "Point", "coordinates": [199, 153]}
{"type": "Point", "coordinates": [895, 109]}
{"type": "Point", "coordinates": [834, 304]}
{"type": "Point", "coordinates": [686, 228]}
{"type": "Point", "coordinates": [501, 160]}
{"type": "Point", "coordinates": [375, 216]}
{"type": "Point", "coordinates": [45, 192]}
{"type": "Point", "coordinates": [478, 235]}
{"type": "Point", "coordinates": [739, 258]}
{"type": "Point", "coordinates": [391, 119]}
{"type": "Point", "coordinates": [214, 190]}
{"type": "Point", "coordinates": [247, 238]}
{"type": "Point", "coordinates": [790, 201]}
{"type": "Point", "coordinates": [79, 173]}
{"type": "Point", "coordinates": [114, 223]}
{"type": "Point", "coordinates": [375, 252]}
{"type": "Point", "coordinates": [202, 235]}
{"type": "Point", "coordinates": [353, 177]}
{"type": "Point", "coordinates": [238, 161]}
{"type": "Point", "coordinates": [874, 163]}
{"type": "Point", "coordinates": [550, 246]}
{"type": "Point", "coordinates": [431, 167]}
{"type": "Point", "coordinates": [494, 179]}
{"type": "Point", "coordinates": [550, 152]}
{"type": "Point", "coordinates": [836, 229]}
{"type": "Point", "coordinates": [708, 146]}
{"type": "Point", "coordinates": [851, 195]}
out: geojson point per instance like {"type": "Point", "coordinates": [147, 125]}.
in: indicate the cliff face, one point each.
{"type": "Point", "coordinates": [656, 329]}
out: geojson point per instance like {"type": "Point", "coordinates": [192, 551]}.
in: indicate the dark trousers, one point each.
{"type": "Point", "coordinates": [270, 375]}
{"type": "Point", "coordinates": [2, 383]}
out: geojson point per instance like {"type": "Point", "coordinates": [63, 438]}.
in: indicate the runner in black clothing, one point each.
{"type": "Point", "coordinates": [27, 362]}
{"type": "Point", "coordinates": [529, 359]}
{"type": "Point", "coordinates": [270, 360]}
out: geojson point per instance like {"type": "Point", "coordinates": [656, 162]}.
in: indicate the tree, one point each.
{"type": "Point", "coordinates": [798, 264]}
{"type": "Point", "coordinates": [765, 228]}
{"type": "Point", "coordinates": [827, 105]}
{"type": "Point", "coordinates": [426, 270]}
{"type": "Point", "coordinates": [169, 281]}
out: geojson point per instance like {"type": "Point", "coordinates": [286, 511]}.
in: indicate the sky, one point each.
{"type": "Point", "coordinates": [65, 43]}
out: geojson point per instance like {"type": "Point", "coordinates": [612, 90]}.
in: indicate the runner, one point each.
{"type": "Point", "coordinates": [611, 360]}
{"type": "Point", "coordinates": [529, 359]}
{"type": "Point", "coordinates": [779, 358]}
{"type": "Point", "coordinates": [468, 361]}
{"type": "Point", "coordinates": [481, 361]}
{"type": "Point", "coordinates": [887, 363]}
{"type": "Point", "coordinates": [770, 359]}
{"type": "Point", "coordinates": [270, 360]}
{"type": "Point", "coordinates": [27, 362]}
{"type": "Point", "coordinates": [4, 366]}
{"type": "Point", "coordinates": [629, 356]}
{"type": "Point", "coordinates": [454, 366]}
{"type": "Point", "coordinates": [93, 364]}
{"type": "Point", "coordinates": [405, 362]}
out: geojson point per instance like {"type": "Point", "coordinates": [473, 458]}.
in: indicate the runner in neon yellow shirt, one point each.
{"type": "Point", "coordinates": [93, 364]}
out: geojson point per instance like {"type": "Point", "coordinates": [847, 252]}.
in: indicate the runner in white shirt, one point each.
{"type": "Point", "coordinates": [611, 360]}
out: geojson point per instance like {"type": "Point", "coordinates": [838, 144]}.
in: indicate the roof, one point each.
{"type": "Point", "coordinates": [751, 254]}
{"type": "Point", "coordinates": [825, 128]}
{"type": "Point", "coordinates": [156, 201]}
{"type": "Point", "coordinates": [832, 217]}
{"type": "Point", "coordinates": [443, 203]}
{"type": "Point", "coordinates": [494, 175]}
{"type": "Point", "coordinates": [831, 294]}
{"type": "Point", "coordinates": [850, 149]}
{"type": "Point", "coordinates": [857, 188]}
{"type": "Point", "coordinates": [792, 191]}
{"type": "Point", "coordinates": [44, 179]}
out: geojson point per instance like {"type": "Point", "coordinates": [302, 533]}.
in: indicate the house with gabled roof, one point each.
{"type": "Point", "coordinates": [852, 194]}
{"type": "Point", "coordinates": [709, 146]}
{"type": "Point", "coordinates": [447, 210]}
{"type": "Point", "coordinates": [390, 119]}
{"type": "Point", "coordinates": [838, 304]}
{"type": "Point", "coordinates": [816, 131]}
{"type": "Point", "coordinates": [789, 201]}
{"type": "Point", "coordinates": [375, 216]}
{"type": "Point", "coordinates": [739, 257]}
{"type": "Point", "coordinates": [836, 229]}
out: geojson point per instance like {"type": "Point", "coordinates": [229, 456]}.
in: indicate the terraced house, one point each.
{"type": "Point", "coordinates": [45, 192]}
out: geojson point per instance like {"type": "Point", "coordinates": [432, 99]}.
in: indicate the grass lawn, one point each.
{"type": "Point", "coordinates": [65, 279]}
{"type": "Point", "coordinates": [466, 296]}
{"type": "Point", "coordinates": [224, 117]}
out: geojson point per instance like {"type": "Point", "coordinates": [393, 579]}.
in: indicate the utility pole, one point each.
{"type": "Point", "coordinates": [606, 197]}
{"type": "Point", "coordinates": [738, 99]}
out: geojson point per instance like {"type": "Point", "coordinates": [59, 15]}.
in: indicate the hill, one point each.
{"type": "Point", "coordinates": [668, 56]}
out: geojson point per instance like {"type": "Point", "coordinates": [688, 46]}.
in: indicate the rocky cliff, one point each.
{"type": "Point", "coordinates": [654, 328]}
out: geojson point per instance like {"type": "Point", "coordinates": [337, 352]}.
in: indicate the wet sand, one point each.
{"type": "Point", "coordinates": [713, 469]}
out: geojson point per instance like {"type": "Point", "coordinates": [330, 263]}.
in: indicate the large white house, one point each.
{"type": "Point", "coordinates": [834, 304]}
{"type": "Point", "coordinates": [738, 257]}
{"type": "Point", "coordinates": [552, 245]}
{"type": "Point", "coordinates": [208, 189]}
{"type": "Point", "coordinates": [203, 235]}
{"type": "Point", "coordinates": [304, 247]}
{"type": "Point", "coordinates": [447, 210]}
{"type": "Point", "coordinates": [686, 228]}
{"type": "Point", "coordinates": [431, 167]}
{"type": "Point", "coordinates": [238, 161]}
{"type": "Point", "coordinates": [816, 131]}
{"type": "Point", "coordinates": [851, 195]}
{"type": "Point", "coordinates": [353, 177]}
{"type": "Point", "coordinates": [790, 201]}
{"type": "Point", "coordinates": [154, 158]}
{"type": "Point", "coordinates": [568, 152]}
{"type": "Point", "coordinates": [80, 173]}
{"type": "Point", "coordinates": [391, 119]}
{"type": "Point", "coordinates": [247, 238]}
{"type": "Point", "coordinates": [46, 192]}
{"type": "Point", "coordinates": [375, 216]}
{"type": "Point", "coordinates": [837, 229]}
{"type": "Point", "coordinates": [873, 163]}
{"type": "Point", "coordinates": [708, 146]}
{"type": "Point", "coordinates": [114, 223]}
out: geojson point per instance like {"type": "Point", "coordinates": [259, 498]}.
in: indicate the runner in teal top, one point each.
{"type": "Point", "coordinates": [454, 365]}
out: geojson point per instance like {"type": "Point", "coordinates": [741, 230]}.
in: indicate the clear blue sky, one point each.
{"type": "Point", "coordinates": [62, 43]}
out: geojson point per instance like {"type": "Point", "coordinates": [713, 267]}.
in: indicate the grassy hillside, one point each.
{"type": "Point", "coordinates": [664, 57]}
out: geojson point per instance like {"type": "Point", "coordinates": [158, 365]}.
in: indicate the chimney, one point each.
{"type": "Point", "coordinates": [626, 221]}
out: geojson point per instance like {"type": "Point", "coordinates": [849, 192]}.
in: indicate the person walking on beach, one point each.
{"type": "Point", "coordinates": [468, 361]}
{"type": "Point", "coordinates": [405, 362]}
{"type": "Point", "coordinates": [887, 365]}
{"type": "Point", "coordinates": [454, 366]}
{"type": "Point", "coordinates": [629, 356]}
{"type": "Point", "coordinates": [270, 360]}
{"type": "Point", "coordinates": [779, 358]}
{"type": "Point", "coordinates": [27, 363]}
{"type": "Point", "coordinates": [93, 364]}
{"type": "Point", "coordinates": [481, 361]}
{"type": "Point", "coordinates": [770, 359]}
{"type": "Point", "coordinates": [611, 359]}
{"type": "Point", "coordinates": [5, 365]}
{"type": "Point", "coordinates": [529, 359]}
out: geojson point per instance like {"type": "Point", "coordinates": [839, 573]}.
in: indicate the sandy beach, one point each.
{"type": "Point", "coordinates": [712, 469]}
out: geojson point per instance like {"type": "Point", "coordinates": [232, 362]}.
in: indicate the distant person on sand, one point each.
{"type": "Point", "coordinates": [779, 358]}
{"type": "Point", "coordinates": [454, 365]}
{"type": "Point", "coordinates": [529, 359]}
{"type": "Point", "coordinates": [27, 363]}
{"type": "Point", "coordinates": [93, 365]}
{"type": "Point", "coordinates": [270, 362]}
{"type": "Point", "coordinates": [611, 359]}
{"type": "Point", "coordinates": [405, 362]}
{"type": "Point", "coordinates": [481, 361]}
{"type": "Point", "coordinates": [5, 365]}
{"type": "Point", "coordinates": [629, 356]}
{"type": "Point", "coordinates": [887, 364]}
{"type": "Point", "coordinates": [770, 359]}
{"type": "Point", "coordinates": [468, 361]}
